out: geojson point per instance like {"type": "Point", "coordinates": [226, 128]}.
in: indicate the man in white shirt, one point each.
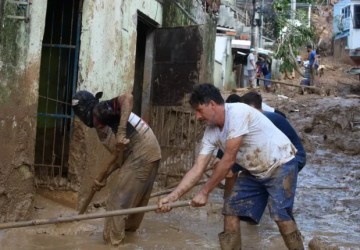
{"type": "Point", "coordinates": [251, 68]}
{"type": "Point", "coordinates": [270, 172]}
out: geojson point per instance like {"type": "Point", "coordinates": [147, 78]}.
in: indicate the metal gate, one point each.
{"type": "Point", "coordinates": [57, 84]}
{"type": "Point", "coordinates": [178, 133]}
{"type": "Point", "coordinates": [177, 60]}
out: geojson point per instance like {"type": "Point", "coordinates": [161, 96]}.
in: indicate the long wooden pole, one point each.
{"type": "Point", "coordinates": [89, 216]}
{"type": "Point", "coordinates": [289, 84]}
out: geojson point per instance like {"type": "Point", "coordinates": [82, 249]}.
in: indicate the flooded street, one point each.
{"type": "Point", "coordinates": [326, 207]}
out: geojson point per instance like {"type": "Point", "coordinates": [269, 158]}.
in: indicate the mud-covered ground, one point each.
{"type": "Point", "coordinates": [328, 194]}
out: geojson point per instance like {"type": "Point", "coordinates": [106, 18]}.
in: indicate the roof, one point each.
{"type": "Point", "coordinates": [240, 44]}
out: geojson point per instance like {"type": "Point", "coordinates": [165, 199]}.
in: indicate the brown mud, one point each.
{"type": "Point", "coordinates": [327, 199]}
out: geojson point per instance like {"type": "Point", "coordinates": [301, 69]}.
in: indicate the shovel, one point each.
{"type": "Point", "coordinates": [102, 176]}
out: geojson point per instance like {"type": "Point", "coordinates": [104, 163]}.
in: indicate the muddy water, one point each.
{"type": "Point", "coordinates": [328, 199]}
{"type": "Point", "coordinates": [327, 206]}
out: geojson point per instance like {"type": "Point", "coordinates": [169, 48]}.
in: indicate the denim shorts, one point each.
{"type": "Point", "coordinates": [250, 195]}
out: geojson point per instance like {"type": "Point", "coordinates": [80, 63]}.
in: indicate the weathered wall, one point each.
{"type": "Point", "coordinates": [108, 44]}
{"type": "Point", "coordinates": [208, 57]}
{"type": "Point", "coordinates": [20, 50]}
{"type": "Point", "coordinates": [192, 12]}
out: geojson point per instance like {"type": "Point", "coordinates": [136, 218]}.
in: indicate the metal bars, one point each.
{"type": "Point", "coordinates": [58, 77]}
{"type": "Point", "coordinates": [178, 133]}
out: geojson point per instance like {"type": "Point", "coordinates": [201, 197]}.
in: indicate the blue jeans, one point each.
{"type": "Point", "coordinates": [267, 83]}
{"type": "Point", "coordinates": [250, 195]}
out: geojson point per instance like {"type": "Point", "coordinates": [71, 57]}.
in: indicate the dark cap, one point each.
{"type": "Point", "coordinates": [83, 103]}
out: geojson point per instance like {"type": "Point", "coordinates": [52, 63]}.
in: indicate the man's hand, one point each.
{"type": "Point", "coordinates": [163, 204]}
{"type": "Point", "coordinates": [121, 141]}
{"type": "Point", "coordinates": [199, 200]}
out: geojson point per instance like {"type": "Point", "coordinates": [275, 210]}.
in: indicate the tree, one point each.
{"type": "Point", "coordinates": [291, 34]}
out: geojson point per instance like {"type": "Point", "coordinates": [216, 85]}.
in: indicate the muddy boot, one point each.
{"type": "Point", "coordinates": [230, 241]}
{"type": "Point", "coordinates": [294, 240]}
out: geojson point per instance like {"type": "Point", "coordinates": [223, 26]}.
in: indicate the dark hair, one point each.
{"type": "Point", "coordinates": [252, 99]}
{"type": "Point", "coordinates": [204, 93]}
{"type": "Point", "coordinates": [233, 98]}
{"type": "Point", "coordinates": [309, 46]}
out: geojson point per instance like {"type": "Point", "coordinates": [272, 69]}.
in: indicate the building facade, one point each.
{"type": "Point", "coordinates": [51, 49]}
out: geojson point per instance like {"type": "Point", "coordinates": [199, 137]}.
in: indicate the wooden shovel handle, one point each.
{"type": "Point", "coordinates": [100, 179]}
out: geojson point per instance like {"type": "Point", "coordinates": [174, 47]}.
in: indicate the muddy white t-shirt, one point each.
{"type": "Point", "coordinates": [264, 146]}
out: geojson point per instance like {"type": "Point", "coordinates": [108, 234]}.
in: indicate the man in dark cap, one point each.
{"type": "Point", "coordinates": [117, 127]}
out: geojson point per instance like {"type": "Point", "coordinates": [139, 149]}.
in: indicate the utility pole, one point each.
{"type": "Point", "coordinates": [261, 45]}
{"type": "Point", "coordinates": [293, 9]}
{"type": "Point", "coordinates": [254, 27]}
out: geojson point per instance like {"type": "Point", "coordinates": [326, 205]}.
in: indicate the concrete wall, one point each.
{"type": "Point", "coordinates": [20, 52]}
{"type": "Point", "coordinates": [224, 78]}
{"type": "Point", "coordinates": [108, 44]}
{"type": "Point", "coordinates": [354, 39]}
{"type": "Point", "coordinates": [218, 75]}
{"type": "Point", "coordinates": [346, 37]}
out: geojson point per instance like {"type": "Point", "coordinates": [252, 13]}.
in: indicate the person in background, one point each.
{"type": "Point", "coordinates": [312, 63]}
{"type": "Point", "coordinates": [264, 70]}
{"type": "Point", "coordinates": [251, 68]}
{"type": "Point", "coordinates": [236, 98]}
{"type": "Point", "coordinates": [299, 60]}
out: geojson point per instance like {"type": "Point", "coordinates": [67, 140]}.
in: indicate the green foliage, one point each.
{"type": "Point", "coordinates": [291, 34]}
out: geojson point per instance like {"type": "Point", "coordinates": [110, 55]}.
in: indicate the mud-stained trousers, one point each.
{"type": "Point", "coordinates": [132, 189]}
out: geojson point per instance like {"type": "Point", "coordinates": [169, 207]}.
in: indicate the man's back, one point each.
{"type": "Point", "coordinates": [283, 124]}
{"type": "Point", "coordinates": [312, 56]}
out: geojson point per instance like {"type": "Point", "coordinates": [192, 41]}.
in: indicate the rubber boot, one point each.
{"type": "Point", "coordinates": [294, 240]}
{"type": "Point", "coordinates": [230, 241]}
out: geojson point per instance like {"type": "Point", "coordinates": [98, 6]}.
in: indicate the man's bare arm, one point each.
{"type": "Point", "coordinates": [191, 178]}
{"type": "Point", "coordinates": [225, 164]}
{"type": "Point", "coordinates": [188, 181]}
{"type": "Point", "coordinates": [126, 105]}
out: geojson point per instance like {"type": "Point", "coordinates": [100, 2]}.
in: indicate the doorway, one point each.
{"type": "Point", "coordinates": [143, 65]}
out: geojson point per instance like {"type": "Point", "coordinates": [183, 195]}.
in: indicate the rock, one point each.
{"type": "Point", "coordinates": [318, 243]}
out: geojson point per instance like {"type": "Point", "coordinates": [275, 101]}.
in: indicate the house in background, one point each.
{"type": "Point", "coordinates": [232, 26]}
{"type": "Point", "coordinates": [347, 31]}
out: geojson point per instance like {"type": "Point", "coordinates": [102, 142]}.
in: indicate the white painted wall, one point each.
{"type": "Point", "coordinates": [33, 59]}
{"type": "Point", "coordinates": [347, 23]}
{"type": "Point", "coordinates": [354, 39]}
{"type": "Point", "coordinates": [223, 77]}
{"type": "Point", "coordinates": [108, 44]}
